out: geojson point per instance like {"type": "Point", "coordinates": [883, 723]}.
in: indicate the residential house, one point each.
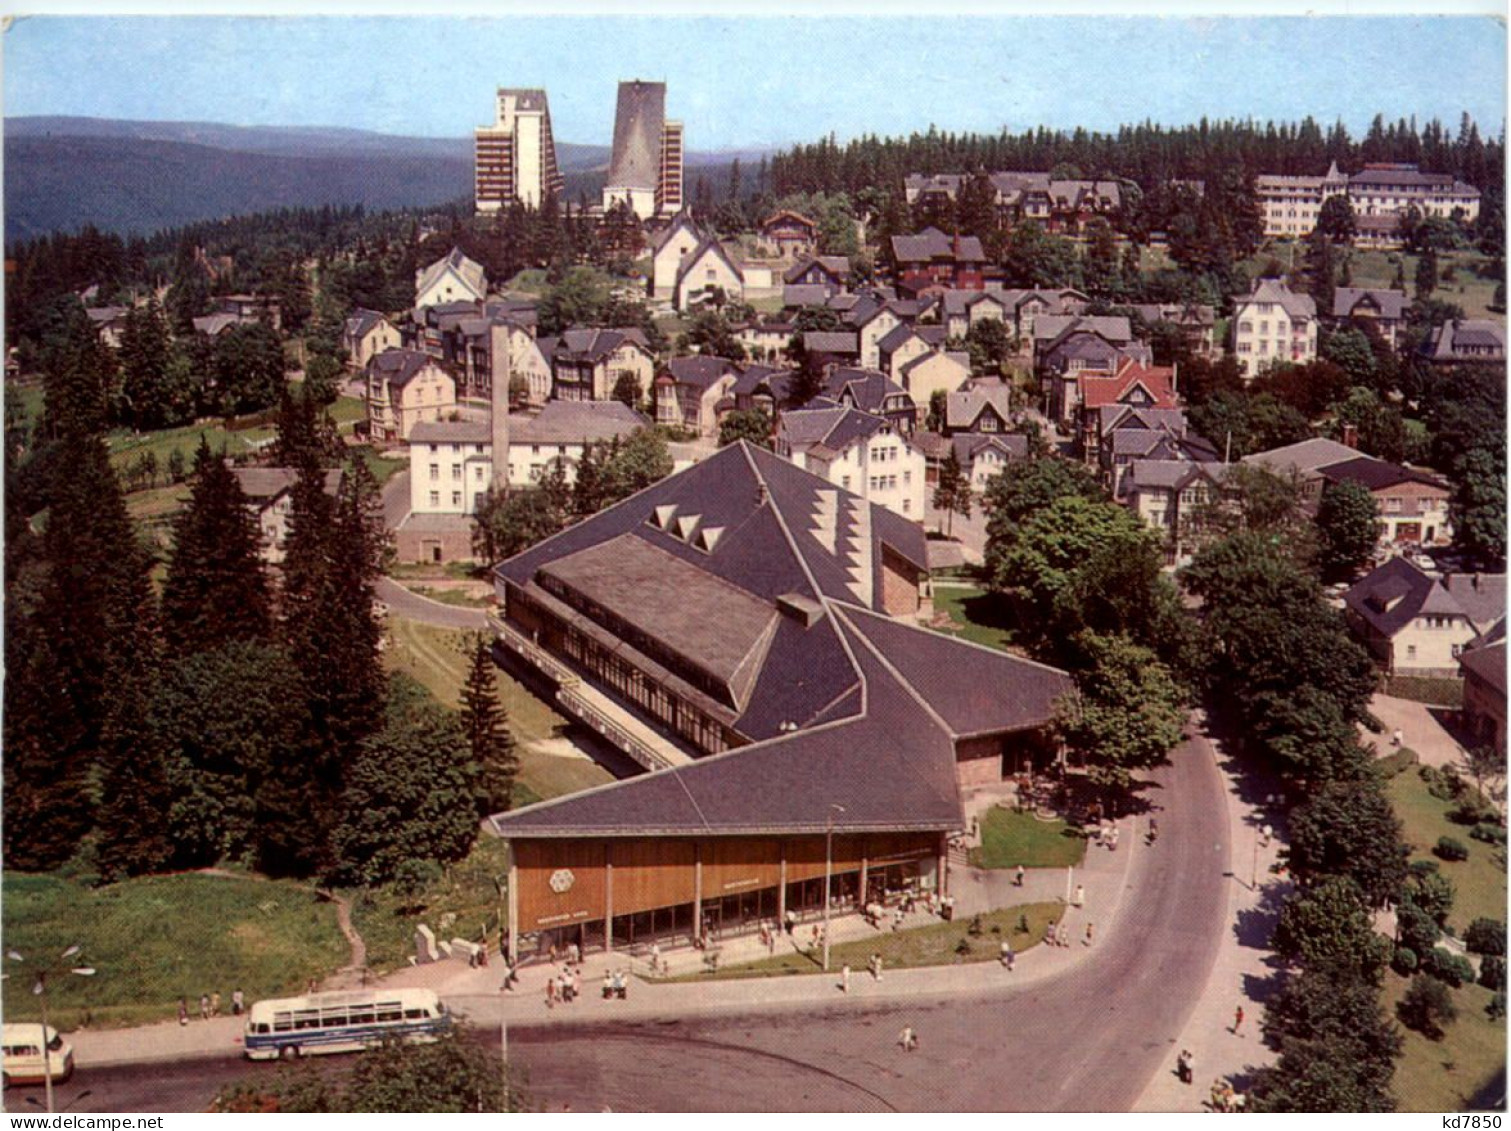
{"type": "Point", "coordinates": [253, 308]}
{"type": "Point", "coordinates": [214, 325]}
{"type": "Point", "coordinates": [872, 391]}
{"type": "Point", "coordinates": [858, 452]}
{"type": "Point", "coordinates": [1196, 321]}
{"type": "Point", "coordinates": [367, 333]}
{"type": "Point", "coordinates": [1413, 504]}
{"type": "Point", "coordinates": [831, 272]}
{"type": "Point", "coordinates": [405, 387]}
{"type": "Point", "coordinates": [1068, 347]}
{"type": "Point", "coordinates": [762, 387]}
{"type": "Point", "coordinates": [1467, 341]}
{"type": "Point", "coordinates": [1133, 385]}
{"type": "Point", "coordinates": [1483, 664]}
{"type": "Point", "coordinates": [745, 608]}
{"type": "Point", "coordinates": [1126, 434]}
{"type": "Point", "coordinates": [942, 371]}
{"type": "Point", "coordinates": [832, 347]}
{"type": "Point", "coordinates": [1304, 461]}
{"type": "Point", "coordinates": [905, 343]}
{"type": "Point", "coordinates": [765, 339]}
{"type": "Point", "coordinates": [981, 406]}
{"type": "Point", "coordinates": [1170, 495]}
{"type": "Point", "coordinates": [712, 268]}
{"type": "Point", "coordinates": [1273, 326]}
{"type": "Point", "coordinates": [453, 278]}
{"type": "Point", "coordinates": [679, 240]}
{"type": "Point", "coordinates": [695, 393]}
{"type": "Point", "coordinates": [1385, 310]}
{"type": "Point", "coordinates": [790, 233]}
{"type": "Point", "coordinates": [1409, 621]}
{"type": "Point", "coordinates": [109, 323]}
{"type": "Point", "coordinates": [269, 493]}
{"type": "Point", "coordinates": [983, 456]}
{"type": "Point", "coordinates": [931, 260]}
{"type": "Point", "coordinates": [587, 364]}
{"type": "Point", "coordinates": [1060, 205]}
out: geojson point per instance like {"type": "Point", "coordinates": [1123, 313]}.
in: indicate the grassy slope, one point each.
{"type": "Point", "coordinates": [933, 945]}
{"type": "Point", "coordinates": [980, 617]}
{"type": "Point", "coordinates": [1009, 839]}
{"type": "Point", "coordinates": [434, 656]}
{"type": "Point", "coordinates": [157, 938]}
{"type": "Point", "coordinates": [1480, 885]}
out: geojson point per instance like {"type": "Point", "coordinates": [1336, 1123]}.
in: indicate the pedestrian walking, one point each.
{"type": "Point", "coordinates": [1049, 933]}
{"type": "Point", "coordinates": [608, 985]}
{"type": "Point", "coordinates": [897, 918]}
{"type": "Point", "coordinates": [656, 958]}
{"type": "Point", "coordinates": [215, 1004]}
{"type": "Point", "coordinates": [204, 1007]}
{"type": "Point", "coordinates": [771, 939]}
{"type": "Point", "coordinates": [907, 1039]}
{"type": "Point", "coordinates": [844, 978]}
{"type": "Point", "coordinates": [1007, 954]}
{"type": "Point", "coordinates": [1088, 935]}
{"type": "Point", "coordinates": [1080, 896]}
{"type": "Point", "coordinates": [1397, 738]}
{"type": "Point", "coordinates": [791, 920]}
{"type": "Point", "coordinates": [1237, 1020]}
{"type": "Point", "coordinates": [551, 992]}
{"type": "Point", "coordinates": [1018, 877]}
{"type": "Point", "coordinates": [183, 1011]}
{"type": "Point", "coordinates": [1153, 830]}
{"type": "Point", "coordinates": [238, 1002]}
{"type": "Point", "coordinates": [1185, 1066]}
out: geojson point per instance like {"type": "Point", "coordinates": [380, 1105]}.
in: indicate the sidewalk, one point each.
{"type": "Point", "coordinates": [1420, 731]}
{"type": "Point", "coordinates": [474, 992]}
{"type": "Point", "coordinates": [1241, 975]}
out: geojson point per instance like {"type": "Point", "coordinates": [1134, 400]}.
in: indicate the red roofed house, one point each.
{"type": "Point", "coordinates": [1135, 384]}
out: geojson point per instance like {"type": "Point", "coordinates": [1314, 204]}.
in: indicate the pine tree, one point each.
{"type": "Point", "coordinates": [145, 400]}
{"type": "Point", "coordinates": [485, 721]}
{"type": "Point", "coordinates": [215, 590]}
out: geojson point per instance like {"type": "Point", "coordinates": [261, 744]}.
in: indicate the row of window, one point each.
{"type": "Point", "coordinates": [435, 498]}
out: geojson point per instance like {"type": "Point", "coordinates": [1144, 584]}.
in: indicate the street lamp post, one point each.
{"type": "Point", "coordinates": [828, 871]}
{"type": "Point", "coordinates": [39, 988]}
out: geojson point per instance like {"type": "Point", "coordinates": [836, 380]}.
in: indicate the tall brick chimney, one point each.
{"type": "Point", "coordinates": [501, 362]}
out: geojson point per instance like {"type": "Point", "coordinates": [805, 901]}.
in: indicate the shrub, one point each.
{"type": "Point", "coordinates": [1419, 868]}
{"type": "Point", "coordinates": [1486, 936]}
{"type": "Point", "coordinates": [1426, 1007]}
{"type": "Point", "coordinates": [1444, 784]}
{"type": "Point", "coordinates": [1450, 848]}
{"type": "Point", "coordinates": [1470, 811]}
{"type": "Point", "coordinates": [1445, 967]}
{"type": "Point", "coordinates": [1398, 762]}
{"type": "Point", "coordinates": [1493, 973]}
{"type": "Point", "coordinates": [1404, 961]}
{"type": "Point", "coordinates": [1495, 1008]}
{"type": "Point", "coordinates": [1415, 928]}
{"type": "Point", "coordinates": [1489, 833]}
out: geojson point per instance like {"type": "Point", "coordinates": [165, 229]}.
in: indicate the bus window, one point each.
{"type": "Point", "coordinates": [333, 1017]}
{"type": "Point", "coordinates": [282, 1023]}
{"type": "Point", "coordinates": [389, 1012]}
{"type": "Point", "coordinates": [416, 1014]}
{"type": "Point", "coordinates": [362, 1015]}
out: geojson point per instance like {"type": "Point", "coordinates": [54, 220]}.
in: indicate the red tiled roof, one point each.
{"type": "Point", "coordinates": [1157, 379]}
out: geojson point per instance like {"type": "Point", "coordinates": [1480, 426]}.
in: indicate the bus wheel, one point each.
{"type": "Point", "coordinates": [291, 1052]}
{"type": "Point", "coordinates": [5, 1080]}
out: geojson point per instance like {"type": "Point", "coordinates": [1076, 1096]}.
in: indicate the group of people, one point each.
{"type": "Point", "coordinates": [209, 1006]}
{"type": "Point", "coordinates": [565, 987]}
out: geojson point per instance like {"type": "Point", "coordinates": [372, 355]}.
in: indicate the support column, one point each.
{"type": "Point", "coordinates": [865, 869]}
{"type": "Point", "coordinates": [697, 891]}
{"type": "Point", "coordinates": [781, 892]}
{"type": "Point", "coordinates": [513, 908]}
{"type": "Point", "coordinates": [944, 864]}
{"type": "Point", "coordinates": [608, 896]}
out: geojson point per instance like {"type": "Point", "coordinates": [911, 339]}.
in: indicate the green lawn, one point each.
{"type": "Point", "coordinates": [435, 657]}
{"type": "Point", "coordinates": [1479, 883]}
{"type": "Point", "coordinates": [978, 615]}
{"type": "Point", "coordinates": [934, 945]}
{"type": "Point", "coordinates": [423, 571]}
{"type": "Point", "coordinates": [155, 939]}
{"type": "Point", "coordinates": [382, 467]}
{"type": "Point", "coordinates": [128, 447]}
{"type": "Point", "coordinates": [464, 898]}
{"type": "Point", "coordinates": [451, 597]}
{"type": "Point", "coordinates": [1009, 838]}
{"type": "Point", "coordinates": [1467, 289]}
{"type": "Point", "coordinates": [1445, 1075]}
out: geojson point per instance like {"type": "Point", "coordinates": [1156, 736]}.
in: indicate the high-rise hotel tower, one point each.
{"type": "Point", "coordinates": [516, 157]}
{"type": "Point", "coordinates": [645, 169]}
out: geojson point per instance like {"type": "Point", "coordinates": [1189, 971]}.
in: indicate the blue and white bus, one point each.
{"type": "Point", "coordinates": [342, 1021]}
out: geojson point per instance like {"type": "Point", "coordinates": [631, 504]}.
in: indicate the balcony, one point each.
{"type": "Point", "coordinates": [591, 706]}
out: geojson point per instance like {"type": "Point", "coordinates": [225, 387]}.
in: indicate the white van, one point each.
{"type": "Point", "coordinates": [22, 1048]}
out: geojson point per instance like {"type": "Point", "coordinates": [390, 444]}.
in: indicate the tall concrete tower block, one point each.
{"type": "Point", "coordinates": [503, 369]}
{"type": "Point", "coordinates": [515, 157]}
{"type": "Point", "coordinates": [645, 168]}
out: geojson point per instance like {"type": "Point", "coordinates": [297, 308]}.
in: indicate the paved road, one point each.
{"type": "Point", "coordinates": [396, 499]}
{"type": "Point", "coordinates": [406, 604]}
{"type": "Point", "coordinates": [1088, 1040]}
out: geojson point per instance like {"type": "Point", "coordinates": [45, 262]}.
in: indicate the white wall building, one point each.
{"type": "Point", "coordinates": [858, 452]}
{"type": "Point", "coordinates": [515, 157]}
{"type": "Point", "coordinates": [1273, 325]}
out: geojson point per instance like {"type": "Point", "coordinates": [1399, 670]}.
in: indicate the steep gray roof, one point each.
{"type": "Point", "coordinates": [1275, 291]}
{"type": "Point", "coordinates": [963, 409]}
{"type": "Point", "coordinates": [1390, 304]}
{"type": "Point", "coordinates": [968, 445]}
{"type": "Point", "coordinates": [1303, 458]}
{"type": "Point", "coordinates": [1394, 594]}
{"type": "Point", "coordinates": [399, 366]}
{"type": "Point", "coordinates": [261, 485]}
{"type": "Point", "coordinates": [572, 422]}
{"type": "Point", "coordinates": [1450, 340]}
{"type": "Point", "coordinates": [868, 388]}
{"type": "Point", "coordinates": [831, 341]}
{"type": "Point", "coordinates": [469, 270]}
{"type": "Point", "coordinates": [361, 322]}
{"type": "Point", "coordinates": [1488, 663]}
{"type": "Point", "coordinates": [699, 370]}
{"type": "Point", "coordinates": [1482, 596]}
{"type": "Point", "coordinates": [1377, 474]}
{"type": "Point", "coordinates": [931, 244]}
{"type": "Point", "coordinates": [593, 345]}
{"type": "Point", "coordinates": [835, 428]}
{"type": "Point", "coordinates": [639, 120]}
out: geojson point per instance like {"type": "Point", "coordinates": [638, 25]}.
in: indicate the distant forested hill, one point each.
{"type": "Point", "coordinates": [137, 177]}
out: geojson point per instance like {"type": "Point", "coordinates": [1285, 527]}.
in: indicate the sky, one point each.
{"type": "Point", "coordinates": [759, 81]}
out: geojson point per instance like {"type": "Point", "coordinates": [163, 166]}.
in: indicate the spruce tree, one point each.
{"type": "Point", "coordinates": [215, 590]}
{"type": "Point", "coordinates": [485, 721]}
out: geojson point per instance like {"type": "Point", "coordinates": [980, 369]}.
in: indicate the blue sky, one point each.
{"type": "Point", "coordinates": [759, 81]}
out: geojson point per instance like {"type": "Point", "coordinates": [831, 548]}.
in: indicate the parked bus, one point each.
{"type": "Point", "coordinates": [23, 1059]}
{"type": "Point", "coordinates": [342, 1021]}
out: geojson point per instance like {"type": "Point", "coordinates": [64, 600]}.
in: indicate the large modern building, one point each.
{"type": "Point", "coordinates": [645, 168]}
{"type": "Point", "coordinates": [732, 627]}
{"type": "Point", "coordinates": [1380, 192]}
{"type": "Point", "coordinates": [516, 156]}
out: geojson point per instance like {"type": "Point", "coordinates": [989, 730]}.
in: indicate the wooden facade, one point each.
{"type": "Point", "coordinates": [586, 883]}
